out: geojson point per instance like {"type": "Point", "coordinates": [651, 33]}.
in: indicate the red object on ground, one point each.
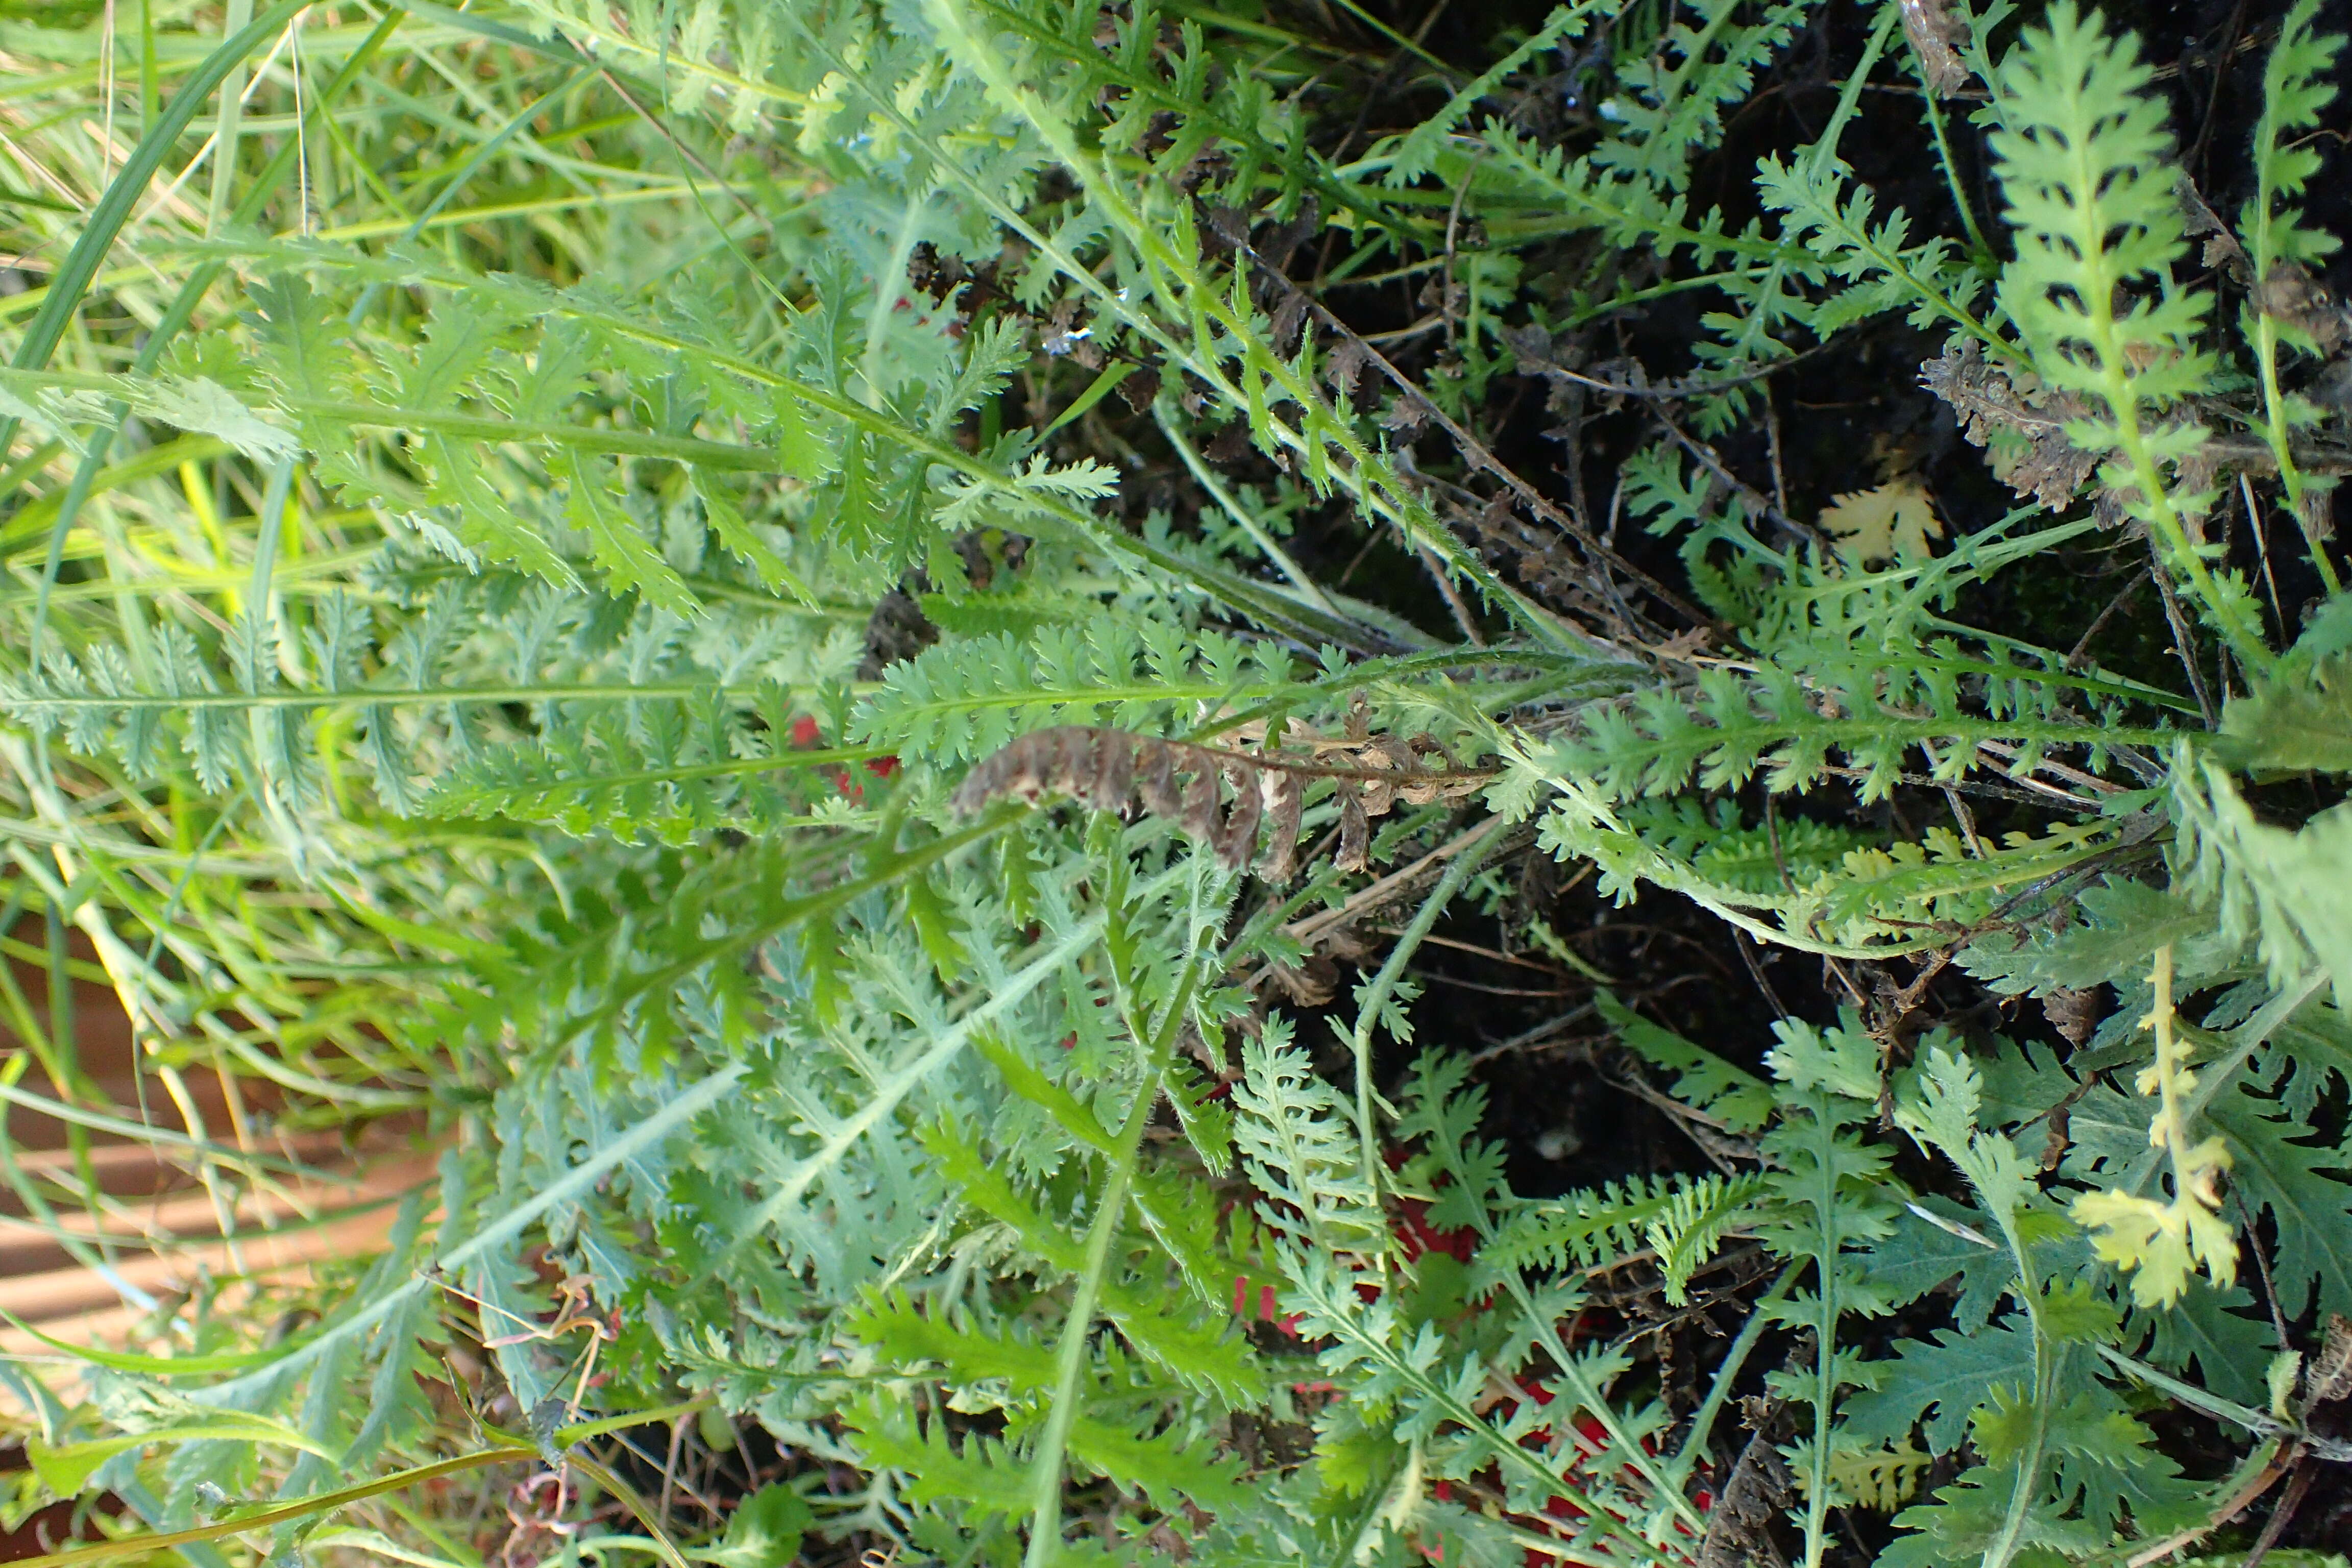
{"type": "Point", "coordinates": [805, 733]}
{"type": "Point", "coordinates": [1417, 1237]}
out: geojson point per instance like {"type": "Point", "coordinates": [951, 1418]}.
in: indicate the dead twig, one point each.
{"type": "Point", "coordinates": [1476, 452]}
{"type": "Point", "coordinates": [2184, 643]}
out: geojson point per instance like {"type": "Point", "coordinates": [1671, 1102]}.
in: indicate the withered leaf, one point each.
{"type": "Point", "coordinates": [2054, 468]}
{"type": "Point", "coordinates": [1405, 415]}
{"type": "Point", "coordinates": [1937, 37]}
{"type": "Point", "coordinates": [1285, 803]}
{"type": "Point", "coordinates": [1139, 386]}
{"type": "Point", "coordinates": [1280, 240]}
{"type": "Point", "coordinates": [1354, 834]}
{"type": "Point", "coordinates": [1288, 317]}
{"type": "Point", "coordinates": [1223, 229]}
{"type": "Point", "coordinates": [1349, 355]}
{"type": "Point", "coordinates": [1111, 769]}
{"type": "Point", "coordinates": [1315, 982]}
{"type": "Point", "coordinates": [2330, 1376]}
{"type": "Point", "coordinates": [2222, 247]}
{"type": "Point", "coordinates": [2290, 296]}
{"type": "Point", "coordinates": [2073, 1014]}
{"type": "Point", "coordinates": [1234, 841]}
{"type": "Point", "coordinates": [1200, 818]}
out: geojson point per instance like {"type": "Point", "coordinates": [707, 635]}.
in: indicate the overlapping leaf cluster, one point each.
{"type": "Point", "coordinates": [511, 663]}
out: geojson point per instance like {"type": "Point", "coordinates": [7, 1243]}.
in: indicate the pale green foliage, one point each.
{"type": "Point", "coordinates": [2292, 891]}
{"type": "Point", "coordinates": [2298, 86]}
{"type": "Point", "coordinates": [1931, 280]}
{"type": "Point", "coordinates": [493, 720]}
{"type": "Point", "coordinates": [1296, 1139]}
{"type": "Point", "coordinates": [1672, 102]}
{"type": "Point", "coordinates": [2087, 172]}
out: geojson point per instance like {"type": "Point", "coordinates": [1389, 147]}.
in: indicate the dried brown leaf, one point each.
{"type": "Point", "coordinates": [1405, 416]}
{"type": "Point", "coordinates": [1345, 368]}
{"type": "Point", "coordinates": [1285, 803]}
{"type": "Point", "coordinates": [2073, 1014]}
{"type": "Point", "coordinates": [2291, 297]}
{"type": "Point", "coordinates": [2222, 247]}
{"type": "Point", "coordinates": [1230, 444]}
{"type": "Point", "coordinates": [1139, 387]}
{"type": "Point", "coordinates": [2330, 1376]}
{"type": "Point", "coordinates": [1155, 777]}
{"type": "Point", "coordinates": [1274, 248]}
{"type": "Point", "coordinates": [1111, 769]}
{"type": "Point", "coordinates": [2318, 512]}
{"type": "Point", "coordinates": [1315, 982]}
{"type": "Point", "coordinates": [1937, 39]}
{"type": "Point", "coordinates": [1354, 834]}
{"type": "Point", "coordinates": [1200, 819]}
{"type": "Point", "coordinates": [1238, 837]}
{"type": "Point", "coordinates": [1288, 318]}
{"type": "Point", "coordinates": [1986, 400]}
{"type": "Point", "coordinates": [1738, 1529]}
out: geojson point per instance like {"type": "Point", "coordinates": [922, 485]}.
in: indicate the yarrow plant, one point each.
{"type": "Point", "coordinates": [737, 618]}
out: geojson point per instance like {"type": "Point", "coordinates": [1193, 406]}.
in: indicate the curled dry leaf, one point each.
{"type": "Point", "coordinates": [1937, 39]}
{"type": "Point", "coordinates": [1140, 387]}
{"type": "Point", "coordinates": [2052, 468]}
{"type": "Point", "coordinates": [2222, 247]}
{"type": "Point", "coordinates": [2329, 1376]}
{"type": "Point", "coordinates": [2291, 296]}
{"type": "Point", "coordinates": [1738, 1528]}
{"type": "Point", "coordinates": [1344, 368]}
{"type": "Point", "coordinates": [1111, 769]}
{"type": "Point", "coordinates": [1312, 983]}
{"type": "Point", "coordinates": [2072, 1013]}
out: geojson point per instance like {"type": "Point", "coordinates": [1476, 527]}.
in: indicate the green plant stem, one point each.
{"type": "Point", "coordinates": [465, 171]}
{"type": "Point", "coordinates": [93, 465]}
{"type": "Point", "coordinates": [574, 1184]}
{"type": "Point", "coordinates": [2048, 1359]}
{"type": "Point", "coordinates": [1269, 605]}
{"type": "Point", "coordinates": [1209, 480]}
{"type": "Point", "coordinates": [2277, 431]}
{"type": "Point", "coordinates": [897, 1086]}
{"type": "Point", "coordinates": [238, 13]}
{"type": "Point", "coordinates": [41, 1215]}
{"type": "Point", "coordinates": [664, 1547]}
{"type": "Point", "coordinates": [1823, 1395]}
{"type": "Point", "coordinates": [1466, 859]}
{"type": "Point", "coordinates": [504, 1450]}
{"type": "Point", "coordinates": [2244, 642]}
{"type": "Point", "coordinates": [1074, 1355]}
{"type": "Point", "coordinates": [559, 692]}
{"type": "Point", "coordinates": [1978, 246]}
{"type": "Point", "coordinates": [2270, 231]}
{"type": "Point", "coordinates": [1170, 263]}
{"type": "Point", "coordinates": [1727, 1373]}
{"type": "Point", "coordinates": [1442, 1401]}
{"type": "Point", "coordinates": [284, 1513]}
{"type": "Point", "coordinates": [116, 1126]}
